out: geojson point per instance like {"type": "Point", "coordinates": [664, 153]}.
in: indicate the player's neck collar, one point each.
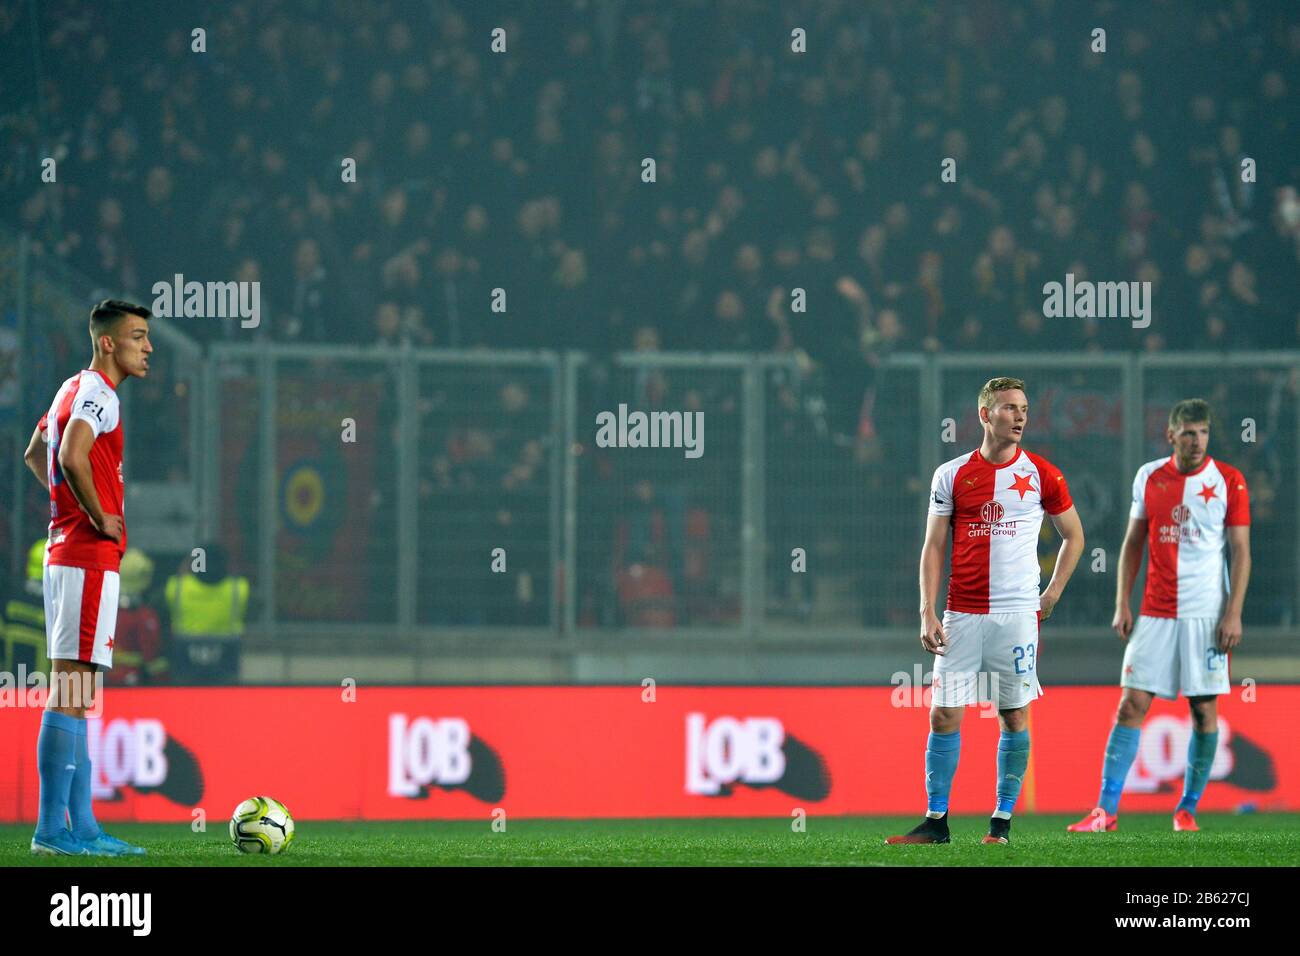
{"type": "Point", "coordinates": [108, 381]}
{"type": "Point", "coordinates": [1173, 463]}
{"type": "Point", "coordinates": [1010, 461]}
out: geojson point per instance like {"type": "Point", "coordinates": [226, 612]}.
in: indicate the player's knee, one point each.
{"type": "Point", "coordinates": [1133, 708]}
{"type": "Point", "coordinates": [1014, 721]}
{"type": "Point", "coordinates": [1204, 714]}
{"type": "Point", "coordinates": [944, 720]}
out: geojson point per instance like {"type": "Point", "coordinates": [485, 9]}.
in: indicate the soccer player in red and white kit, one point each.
{"type": "Point", "coordinates": [1185, 506]}
{"type": "Point", "coordinates": [993, 500]}
{"type": "Point", "coordinates": [76, 453]}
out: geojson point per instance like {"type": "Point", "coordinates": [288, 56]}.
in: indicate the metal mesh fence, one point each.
{"type": "Point", "coordinates": [235, 507]}
{"type": "Point", "coordinates": [459, 490]}
{"type": "Point", "coordinates": [485, 469]}
{"type": "Point", "coordinates": [659, 531]}
{"type": "Point", "coordinates": [851, 497]}
{"type": "Point", "coordinates": [336, 500]}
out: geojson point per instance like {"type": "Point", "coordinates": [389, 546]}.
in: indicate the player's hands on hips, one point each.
{"type": "Point", "coordinates": [1046, 602]}
{"type": "Point", "coordinates": [110, 526]}
{"type": "Point", "coordinates": [933, 639]}
{"type": "Point", "coordinates": [1122, 624]}
{"type": "Point", "coordinates": [1229, 634]}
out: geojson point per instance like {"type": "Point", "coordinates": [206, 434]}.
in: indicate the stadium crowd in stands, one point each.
{"type": "Point", "coordinates": [775, 170]}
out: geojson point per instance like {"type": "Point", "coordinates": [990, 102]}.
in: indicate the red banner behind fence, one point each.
{"type": "Point", "coordinates": [433, 752]}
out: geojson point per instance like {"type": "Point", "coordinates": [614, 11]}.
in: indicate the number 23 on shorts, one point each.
{"type": "Point", "coordinates": [1025, 654]}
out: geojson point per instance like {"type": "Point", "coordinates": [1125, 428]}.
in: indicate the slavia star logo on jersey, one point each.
{"type": "Point", "coordinates": [1022, 484]}
{"type": "Point", "coordinates": [1207, 492]}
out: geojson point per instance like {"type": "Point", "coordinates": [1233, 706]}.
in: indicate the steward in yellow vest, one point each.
{"type": "Point", "coordinates": [207, 610]}
{"type": "Point", "coordinates": [24, 620]}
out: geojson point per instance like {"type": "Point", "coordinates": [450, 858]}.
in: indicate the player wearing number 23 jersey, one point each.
{"type": "Point", "coordinates": [990, 503]}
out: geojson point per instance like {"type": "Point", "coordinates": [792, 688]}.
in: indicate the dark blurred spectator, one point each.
{"type": "Point", "coordinates": [138, 655]}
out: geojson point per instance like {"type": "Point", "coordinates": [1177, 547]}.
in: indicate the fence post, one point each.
{"type": "Point", "coordinates": [198, 423]}
{"type": "Point", "coordinates": [555, 510]}
{"type": "Point", "coordinates": [753, 537]}
{"type": "Point", "coordinates": [210, 400]}
{"type": "Point", "coordinates": [572, 362]}
{"type": "Point", "coordinates": [408, 483]}
{"type": "Point", "coordinates": [268, 511]}
{"type": "Point", "coordinates": [931, 382]}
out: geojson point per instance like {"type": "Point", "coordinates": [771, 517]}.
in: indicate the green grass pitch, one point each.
{"type": "Point", "coordinates": [1271, 839]}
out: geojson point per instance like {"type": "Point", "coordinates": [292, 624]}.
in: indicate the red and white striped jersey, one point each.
{"type": "Point", "coordinates": [90, 397]}
{"type": "Point", "coordinates": [1186, 515]}
{"type": "Point", "coordinates": [997, 511]}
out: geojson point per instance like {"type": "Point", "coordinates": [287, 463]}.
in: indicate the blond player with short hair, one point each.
{"type": "Point", "coordinates": [991, 502]}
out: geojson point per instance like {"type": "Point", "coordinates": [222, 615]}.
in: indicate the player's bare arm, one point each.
{"type": "Point", "coordinates": [933, 638]}
{"type": "Point", "coordinates": [35, 457]}
{"type": "Point", "coordinates": [1130, 559]}
{"type": "Point", "coordinates": [1070, 528]}
{"type": "Point", "coordinates": [74, 462]}
{"type": "Point", "coordinates": [1229, 632]}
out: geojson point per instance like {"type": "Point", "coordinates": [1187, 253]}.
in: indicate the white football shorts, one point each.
{"type": "Point", "coordinates": [992, 657]}
{"type": "Point", "coordinates": [1167, 654]}
{"type": "Point", "coordinates": [80, 614]}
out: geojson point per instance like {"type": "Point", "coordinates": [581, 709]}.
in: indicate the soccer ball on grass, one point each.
{"type": "Point", "coordinates": [261, 825]}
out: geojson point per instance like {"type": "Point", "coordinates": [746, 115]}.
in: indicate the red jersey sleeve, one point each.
{"type": "Point", "coordinates": [1056, 493]}
{"type": "Point", "coordinates": [1238, 499]}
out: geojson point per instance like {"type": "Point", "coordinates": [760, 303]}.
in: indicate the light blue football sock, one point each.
{"type": "Point", "coordinates": [941, 753]}
{"type": "Point", "coordinates": [1013, 759]}
{"type": "Point", "coordinates": [1200, 758]}
{"type": "Point", "coordinates": [56, 761]}
{"type": "Point", "coordinates": [84, 824]}
{"type": "Point", "coordinates": [1121, 750]}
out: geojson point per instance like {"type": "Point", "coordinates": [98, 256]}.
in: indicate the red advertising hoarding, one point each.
{"type": "Point", "coordinates": [460, 752]}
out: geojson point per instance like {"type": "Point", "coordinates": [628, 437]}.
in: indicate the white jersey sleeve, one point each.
{"type": "Point", "coordinates": [941, 489]}
{"type": "Point", "coordinates": [95, 404]}
{"type": "Point", "coordinates": [1139, 506]}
